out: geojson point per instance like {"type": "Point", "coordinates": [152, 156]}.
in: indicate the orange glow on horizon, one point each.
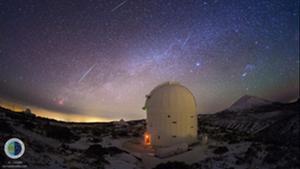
{"type": "Point", "coordinates": [53, 114]}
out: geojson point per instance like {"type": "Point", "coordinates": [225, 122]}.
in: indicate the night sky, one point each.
{"type": "Point", "coordinates": [100, 58]}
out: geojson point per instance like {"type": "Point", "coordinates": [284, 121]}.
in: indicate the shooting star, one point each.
{"type": "Point", "coordinates": [86, 73]}
{"type": "Point", "coordinates": [118, 6]}
{"type": "Point", "coordinates": [186, 40]}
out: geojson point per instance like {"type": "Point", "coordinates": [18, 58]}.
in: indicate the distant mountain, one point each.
{"type": "Point", "coordinates": [252, 114]}
{"type": "Point", "coordinates": [248, 102]}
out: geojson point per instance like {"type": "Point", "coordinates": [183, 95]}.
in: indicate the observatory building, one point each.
{"type": "Point", "coordinates": [171, 116]}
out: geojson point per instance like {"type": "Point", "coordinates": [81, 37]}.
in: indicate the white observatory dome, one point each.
{"type": "Point", "coordinates": [171, 115]}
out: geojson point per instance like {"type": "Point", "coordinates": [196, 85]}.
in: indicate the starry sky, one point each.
{"type": "Point", "coordinates": [101, 57]}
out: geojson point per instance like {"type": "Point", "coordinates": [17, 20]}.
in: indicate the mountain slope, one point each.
{"type": "Point", "coordinates": [271, 129]}
{"type": "Point", "coordinates": [247, 102]}
{"type": "Point", "coordinates": [251, 114]}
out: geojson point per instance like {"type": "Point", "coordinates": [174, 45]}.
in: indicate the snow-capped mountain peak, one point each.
{"type": "Point", "coordinates": [248, 102]}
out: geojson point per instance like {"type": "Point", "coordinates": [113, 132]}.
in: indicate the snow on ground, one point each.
{"type": "Point", "coordinates": [239, 152]}
{"type": "Point", "coordinates": [81, 144]}
{"type": "Point", "coordinates": [122, 161]}
{"type": "Point", "coordinates": [34, 136]}
{"type": "Point", "coordinates": [198, 153]}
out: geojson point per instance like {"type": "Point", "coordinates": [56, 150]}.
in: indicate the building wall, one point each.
{"type": "Point", "coordinates": [171, 115]}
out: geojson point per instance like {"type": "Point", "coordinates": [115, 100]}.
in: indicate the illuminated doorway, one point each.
{"type": "Point", "coordinates": [147, 138]}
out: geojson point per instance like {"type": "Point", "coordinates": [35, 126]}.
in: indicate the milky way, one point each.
{"type": "Point", "coordinates": [101, 58]}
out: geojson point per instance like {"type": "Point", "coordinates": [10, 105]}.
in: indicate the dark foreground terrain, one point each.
{"type": "Point", "coordinates": [252, 133]}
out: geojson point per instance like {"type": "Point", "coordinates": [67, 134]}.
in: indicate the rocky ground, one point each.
{"type": "Point", "coordinates": [252, 133]}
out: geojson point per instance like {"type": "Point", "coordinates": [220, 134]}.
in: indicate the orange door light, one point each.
{"type": "Point", "coordinates": [147, 138]}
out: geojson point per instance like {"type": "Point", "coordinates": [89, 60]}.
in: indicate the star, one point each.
{"type": "Point", "coordinates": [101, 58]}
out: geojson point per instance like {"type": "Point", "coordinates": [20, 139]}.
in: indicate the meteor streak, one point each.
{"type": "Point", "coordinates": [118, 6]}
{"type": "Point", "coordinates": [86, 73]}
